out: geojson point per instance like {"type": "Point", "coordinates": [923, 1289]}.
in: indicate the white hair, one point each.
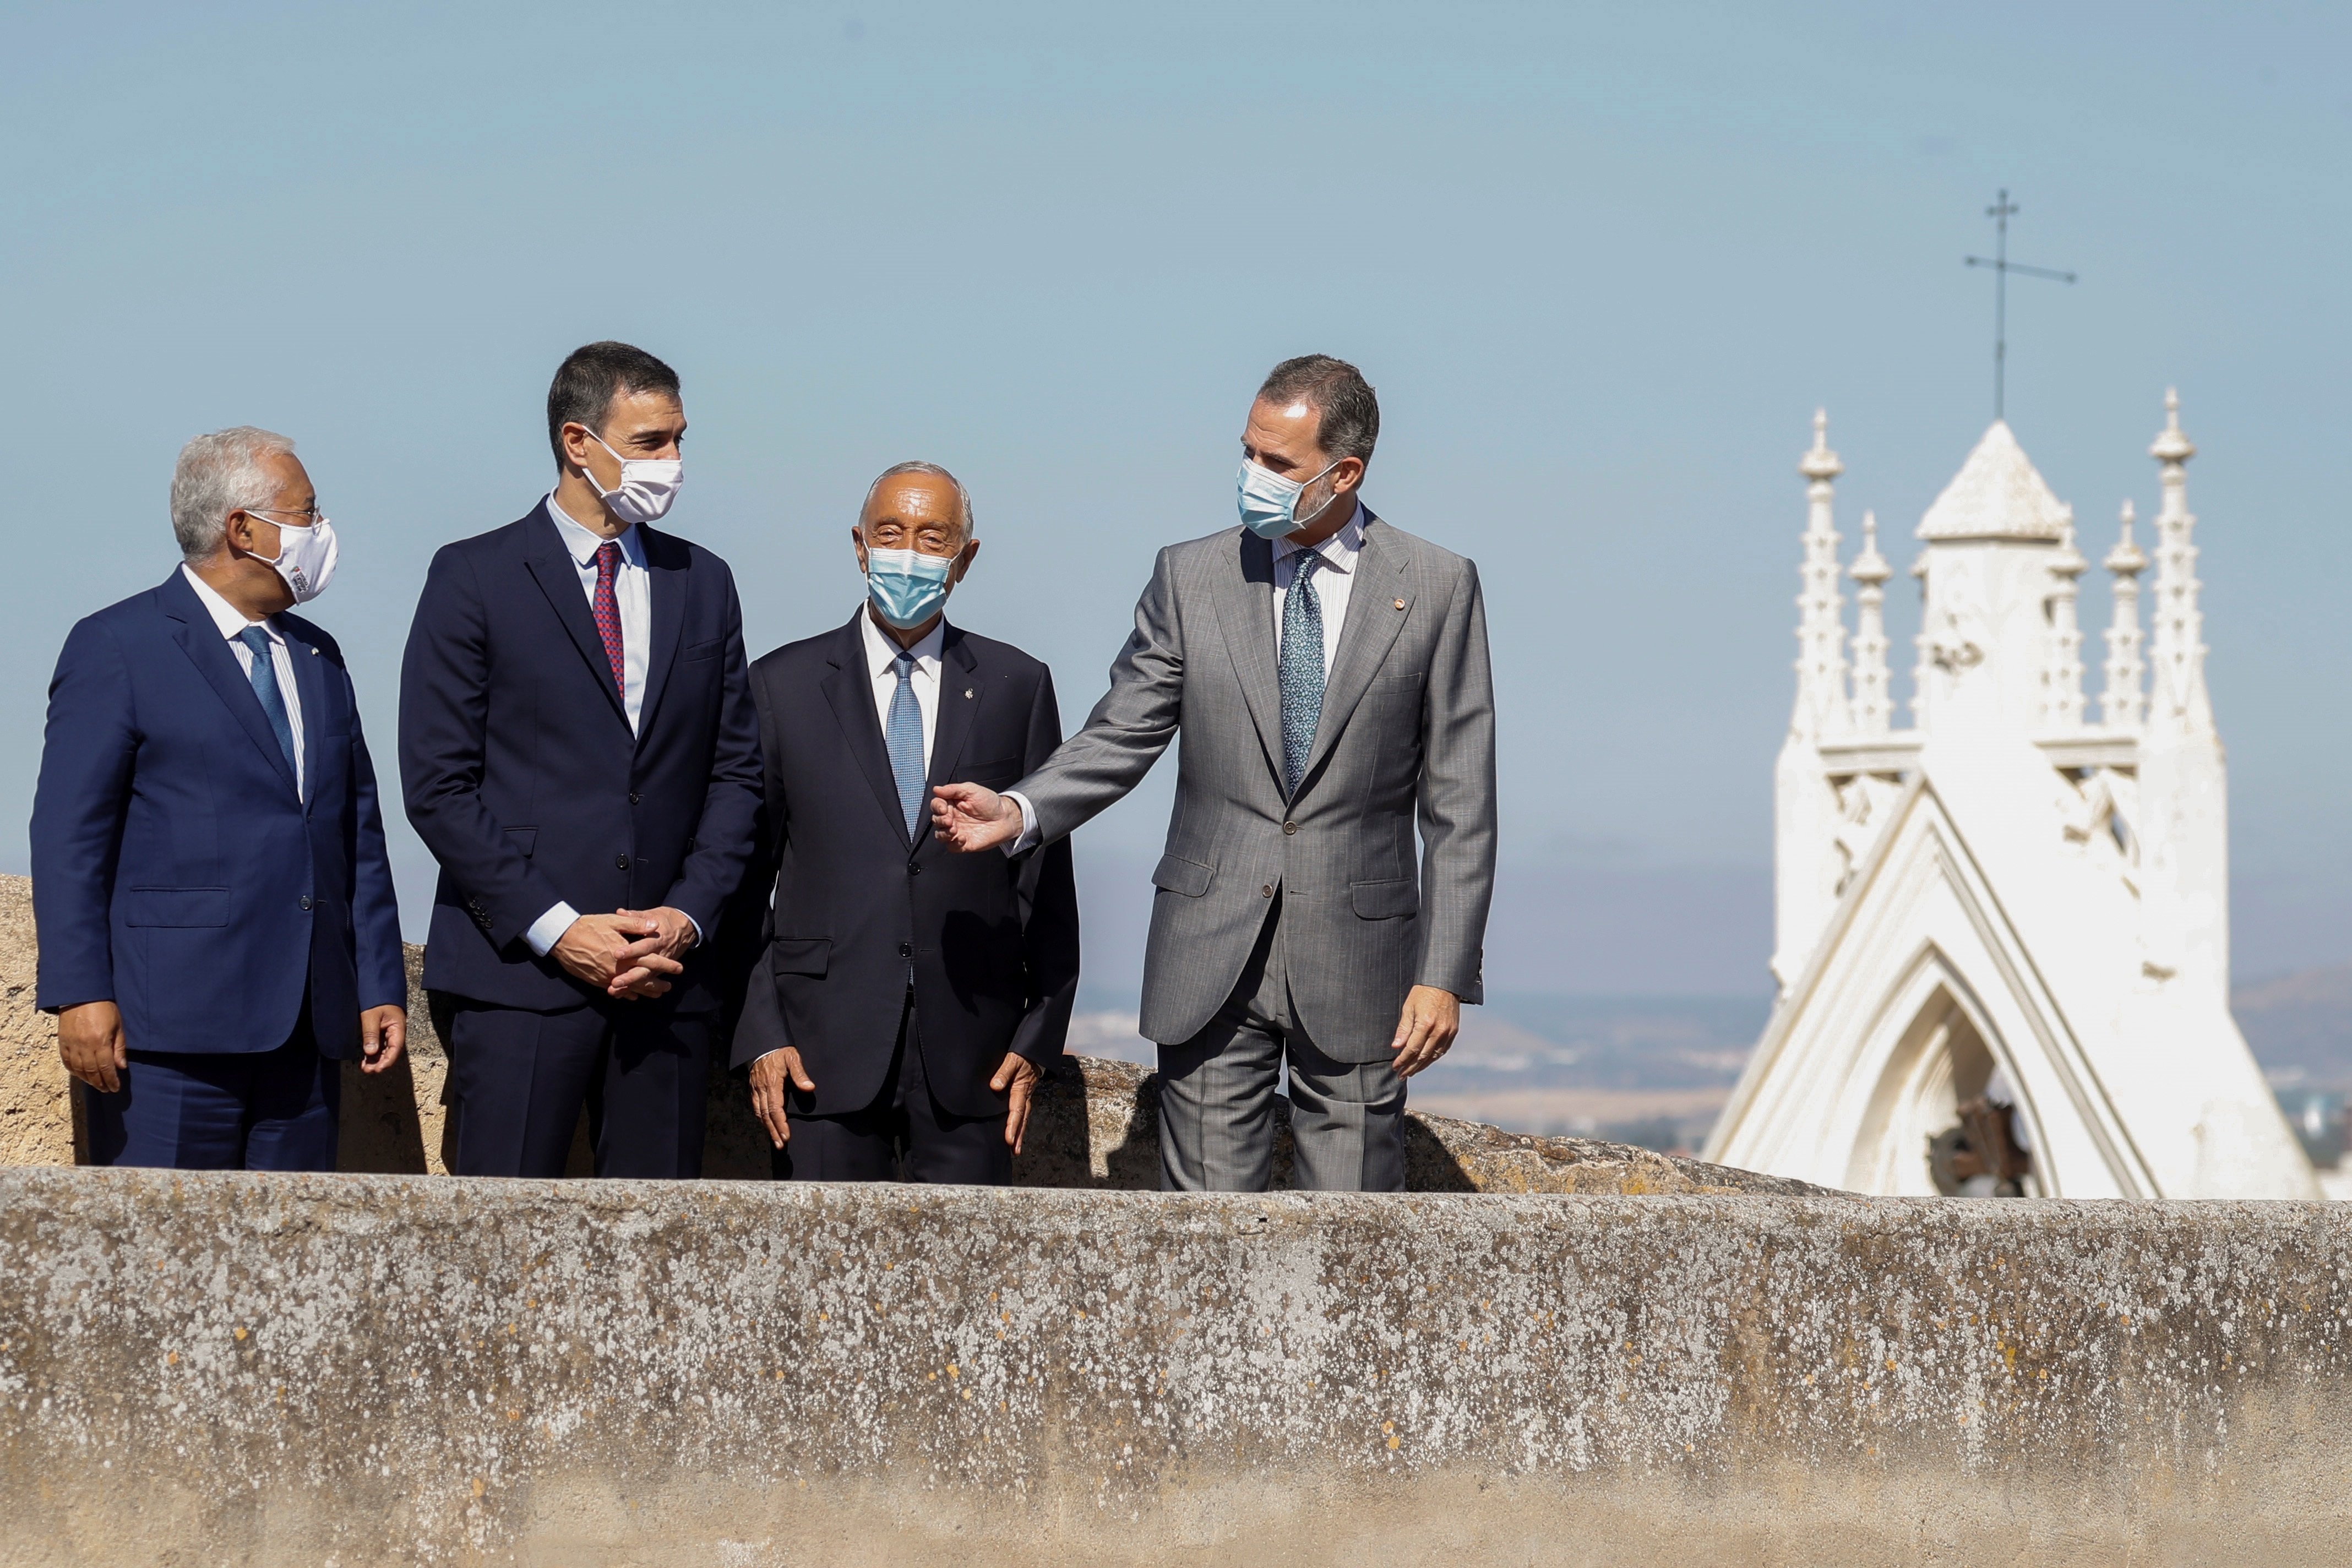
{"type": "Point", "coordinates": [217, 475]}
{"type": "Point", "coordinates": [963, 496]}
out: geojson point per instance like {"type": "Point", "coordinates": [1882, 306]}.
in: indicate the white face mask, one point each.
{"type": "Point", "coordinates": [306, 558]}
{"type": "Point", "coordinates": [647, 485]}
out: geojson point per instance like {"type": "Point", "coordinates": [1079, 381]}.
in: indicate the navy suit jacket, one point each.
{"type": "Point", "coordinates": [991, 941]}
{"type": "Point", "coordinates": [521, 775]}
{"type": "Point", "coordinates": [175, 871]}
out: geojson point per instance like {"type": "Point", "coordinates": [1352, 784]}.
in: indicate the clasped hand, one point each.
{"type": "Point", "coordinates": [628, 954]}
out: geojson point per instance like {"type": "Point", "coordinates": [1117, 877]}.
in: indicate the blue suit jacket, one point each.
{"type": "Point", "coordinates": [175, 872]}
{"type": "Point", "coordinates": [521, 775]}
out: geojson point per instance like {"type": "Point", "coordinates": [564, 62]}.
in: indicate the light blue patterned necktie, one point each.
{"type": "Point", "coordinates": [264, 676]}
{"type": "Point", "coordinates": [1302, 668]}
{"type": "Point", "coordinates": [904, 735]}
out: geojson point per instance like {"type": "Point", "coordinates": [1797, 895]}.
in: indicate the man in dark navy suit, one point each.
{"type": "Point", "coordinates": [215, 913]}
{"type": "Point", "coordinates": [578, 750]}
{"type": "Point", "coordinates": [905, 997]}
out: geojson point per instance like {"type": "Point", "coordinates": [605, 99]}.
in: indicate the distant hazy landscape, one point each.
{"type": "Point", "coordinates": [1555, 1051]}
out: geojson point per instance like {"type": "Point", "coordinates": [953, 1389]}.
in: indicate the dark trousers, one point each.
{"type": "Point", "coordinates": [904, 1135]}
{"type": "Point", "coordinates": [1217, 1090]}
{"type": "Point", "coordinates": [219, 1110]}
{"type": "Point", "coordinates": [520, 1081]}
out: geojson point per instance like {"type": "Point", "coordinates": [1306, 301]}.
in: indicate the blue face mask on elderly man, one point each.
{"type": "Point", "coordinates": [908, 587]}
{"type": "Point", "coordinates": [1269, 502]}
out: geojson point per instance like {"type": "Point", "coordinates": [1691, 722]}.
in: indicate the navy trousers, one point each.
{"type": "Point", "coordinates": [904, 1135]}
{"type": "Point", "coordinates": [217, 1111]}
{"type": "Point", "coordinates": [520, 1081]}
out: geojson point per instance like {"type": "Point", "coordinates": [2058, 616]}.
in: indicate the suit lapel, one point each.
{"type": "Point", "coordinates": [1245, 602]}
{"type": "Point", "coordinates": [200, 639]}
{"type": "Point", "coordinates": [310, 686]}
{"type": "Point", "coordinates": [558, 576]}
{"type": "Point", "coordinates": [665, 568]}
{"type": "Point", "coordinates": [849, 691]}
{"type": "Point", "coordinates": [951, 726]}
{"type": "Point", "coordinates": [1378, 603]}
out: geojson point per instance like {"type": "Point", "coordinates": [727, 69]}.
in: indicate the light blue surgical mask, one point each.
{"type": "Point", "coordinates": [1270, 502]}
{"type": "Point", "coordinates": [908, 587]}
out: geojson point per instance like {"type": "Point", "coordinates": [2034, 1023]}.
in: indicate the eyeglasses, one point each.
{"type": "Point", "coordinates": [311, 513]}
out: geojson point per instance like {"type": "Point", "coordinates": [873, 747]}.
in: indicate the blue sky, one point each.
{"type": "Point", "coordinates": [1601, 263]}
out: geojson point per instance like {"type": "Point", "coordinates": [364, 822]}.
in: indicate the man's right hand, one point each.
{"type": "Point", "coordinates": [90, 1041]}
{"type": "Point", "coordinates": [595, 948]}
{"type": "Point", "coordinates": [767, 1076]}
{"type": "Point", "coordinates": [967, 816]}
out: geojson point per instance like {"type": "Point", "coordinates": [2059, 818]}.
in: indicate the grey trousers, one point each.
{"type": "Point", "coordinates": [1217, 1090]}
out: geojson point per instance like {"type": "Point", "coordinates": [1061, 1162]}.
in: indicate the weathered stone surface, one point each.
{"type": "Point", "coordinates": [1095, 1122]}
{"type": "Point", "coordinates": [371, 1370]}
{"type": "Point", "coordinates": [36, 1120]}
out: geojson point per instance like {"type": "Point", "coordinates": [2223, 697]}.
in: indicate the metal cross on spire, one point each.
{"type": "Point", "coordinates": [2000, 211]}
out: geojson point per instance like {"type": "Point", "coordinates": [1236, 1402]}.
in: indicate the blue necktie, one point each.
{"type": "Point", "coordinates": [264, 676]}
{"type": "Point", "coordinates": [1302, 668]}
{"type": "Point", "coordinates": [904, 735]}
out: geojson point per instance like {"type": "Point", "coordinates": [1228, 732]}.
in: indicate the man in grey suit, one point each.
{"type": "Point", "coordinates": [1330, 674]}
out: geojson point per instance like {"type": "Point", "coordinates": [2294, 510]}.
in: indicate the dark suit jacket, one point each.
{"type": "Point", "coordinates": [523, 779]}
{"type": "Point", "coordinates": [993, 942]}
{"type": "Point", "coordinates": [175, 871]}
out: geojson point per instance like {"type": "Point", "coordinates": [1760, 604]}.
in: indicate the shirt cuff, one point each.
{"type": "Point", "coordinates": [696, 925]}
{"type": "Point", "coordinates": [1028, 839]}
{"type": "Point", "coordinates": [548, 928]}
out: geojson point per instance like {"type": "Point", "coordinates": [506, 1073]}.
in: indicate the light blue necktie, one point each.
{"type": "Point", "coordinates": [904, 735]}
{"type": "Point", "coordinates": [264, 676]}
{"type": "Point", "coordinates": [1302, 668]}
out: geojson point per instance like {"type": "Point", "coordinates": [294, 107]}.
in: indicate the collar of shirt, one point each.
{"type": "Point", "coordinates": [880, 650]}
{"type": "Point", "coordinates": [1338, 551]}
{"type": "Point", "coordinates": [583, 541]}
{"type": "Point", "coordinates": [225, 616]}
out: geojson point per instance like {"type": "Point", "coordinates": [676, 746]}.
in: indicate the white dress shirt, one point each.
{"type": "Point", "coordinates": [881, 655]}
{"type": "Point", "coordinates": [232, 624]}
{"type": "Point", "coordinates": [632, 598]}
{"type": "Point", "coordinates": [1333, 579]}
{"type": "Point", "coordinates": [633, 595]}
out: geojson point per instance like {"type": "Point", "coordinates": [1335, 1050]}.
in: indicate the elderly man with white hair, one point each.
{"type": "Point", "coordinates": [218, 930]}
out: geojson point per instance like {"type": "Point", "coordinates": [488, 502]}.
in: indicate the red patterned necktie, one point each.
{"type": "Point", "coordinates": [608, 614]}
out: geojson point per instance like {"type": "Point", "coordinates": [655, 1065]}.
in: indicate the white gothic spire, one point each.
{"type": "Point", "coordinates": [2122, 702]}
{"type": "Point", "coordinates": [1821, 706]}
{"type": "Point", "coordinates": [1873, 712]}
{"type": "Point", "coordinates": [2177, 695]}
{"type": "Point", "coordinates": [2061, 704]}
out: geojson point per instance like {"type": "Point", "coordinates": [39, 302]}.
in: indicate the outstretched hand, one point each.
{"type": "Point", "coordinates": [967, 818]}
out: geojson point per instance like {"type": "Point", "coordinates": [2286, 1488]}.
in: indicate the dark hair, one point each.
{"type": "Point", "coordinates": [1351, 422]}
{"type": "Point", "coordinates": [590, 378]}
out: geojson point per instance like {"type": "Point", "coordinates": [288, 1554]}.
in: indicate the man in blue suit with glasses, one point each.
{"type": "Point", "coordinates": [215, 913]}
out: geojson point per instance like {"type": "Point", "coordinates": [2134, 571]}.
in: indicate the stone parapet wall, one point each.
{"type": "Point", "coordinates": [363, 1370]}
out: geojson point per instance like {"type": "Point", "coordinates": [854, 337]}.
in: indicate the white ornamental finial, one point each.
{"type": "Point", "coordinates": [2122, 702]}
{"type": "Point", "coordinates": [2177, 695]}
{"type": "Point", "coordinates": [2061, 701]}
{"type": "Point", "coordinates": [1821, 708]}
{"type": "Point", "coordinates": [1872, 713]}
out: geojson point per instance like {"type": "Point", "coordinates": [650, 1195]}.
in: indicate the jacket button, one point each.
{"type": "Point", "coordinates": [1290, 827]}
{"type": "Point", "coordinates": [306, 900]}
{"type": "Point", "coordinates": [1266, 892]}
{"type": "Point", "coordinates": [906, 949]}
{"type": "Point", "coordinates": [635, 799]}
{"type": "Point", "coordinates": [913, 870]}
{"type": "Point", "coordinates": [620, 862]}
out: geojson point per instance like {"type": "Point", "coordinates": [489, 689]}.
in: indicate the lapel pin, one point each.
{"type": "Point", "coordinates": [967, 691]}
{"type": "Point", "coordinates": [1400, 604]}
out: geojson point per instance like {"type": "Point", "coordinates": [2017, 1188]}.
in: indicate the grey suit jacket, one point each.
{"type": "Point", "coordinates": [1407, 732]}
